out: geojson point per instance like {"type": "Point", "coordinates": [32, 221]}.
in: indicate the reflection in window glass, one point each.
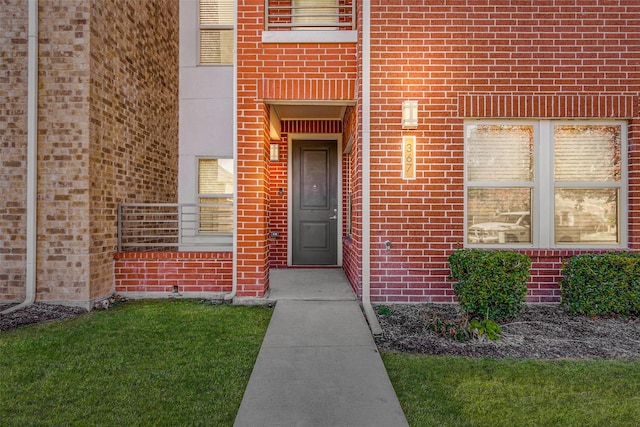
{"type": "Point", "coordinates": [499, 215]}
{"type": "Point", "coordinates": [586, 215]}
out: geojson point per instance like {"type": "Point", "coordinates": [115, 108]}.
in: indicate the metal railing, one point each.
{"type": "Point", "coordinates": [287, 15]}
{"type": "Point", "coordinates": [144, 227]}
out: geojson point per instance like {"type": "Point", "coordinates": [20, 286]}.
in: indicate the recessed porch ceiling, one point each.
{"type": "Point", "coordinates": [303, 111]}
{"type": "Point", "coordinates": [309, 111]}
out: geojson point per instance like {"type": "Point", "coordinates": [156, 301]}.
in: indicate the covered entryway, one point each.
{"type": "Point", "coordinates": [314, 202]}
{"type": "Point", "coordinates": [307, 183]}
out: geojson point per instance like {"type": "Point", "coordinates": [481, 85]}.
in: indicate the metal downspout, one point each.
{"type": "Point", "coordinates": [32, 158]}
{"type": "Point", "coordinates": [234, 253]}
{"type": "Point", "coordinates": [366, 170]}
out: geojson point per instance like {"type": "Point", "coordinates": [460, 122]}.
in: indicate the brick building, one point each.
{"type": "Point", "coordinates": [373, 136]}
{"type": "Point", "coordinates": [105, 131]}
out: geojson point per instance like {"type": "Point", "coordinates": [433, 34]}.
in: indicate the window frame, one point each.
{"type": "Point", "coordinates": [203, 27]}
{"type": "Point", "coordinates": [544, 185]}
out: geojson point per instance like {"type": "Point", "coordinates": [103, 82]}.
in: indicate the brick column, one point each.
{"type": "Point", "coordinates": [253, 150]}
{"type": "Point", "coordinates": [252, 200]}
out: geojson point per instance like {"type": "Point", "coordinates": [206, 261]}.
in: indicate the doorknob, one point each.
{"type": "Point", "coordinates": [335, 215]}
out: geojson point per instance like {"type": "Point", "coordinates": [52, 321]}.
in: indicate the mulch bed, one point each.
{"type": "Point", "coordinates": [36, 313]}
{"type": "Point", "coordinates": [541, 332]}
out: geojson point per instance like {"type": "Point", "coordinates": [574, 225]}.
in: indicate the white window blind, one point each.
{"type": "Point", "coordinates": [500, 152]}
{"type": "Point", "coordinates": [308, 13]}
{"type": "Point", "coordinates": [587, 153]}
{"type": "Point", "coordinates": [216, 12]}
{"type": "Point", "coordinates": [215, 195]}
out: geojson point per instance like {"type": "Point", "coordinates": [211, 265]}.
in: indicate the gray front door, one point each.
{"type": "Point", "coordinates": [314, 203]}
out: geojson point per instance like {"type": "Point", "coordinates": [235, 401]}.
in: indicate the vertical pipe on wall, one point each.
{"type": "Point", "coordinates": [32, 158]}
{"type": "Point", "coordinates": [366, 169]}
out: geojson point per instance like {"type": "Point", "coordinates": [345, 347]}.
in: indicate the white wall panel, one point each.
{"type": "Point", "coordinates": [208, 81]}
{"type": "Point", "coordinates": [188, 32]}
{"type": "Point", "coordinates": [205, 127]}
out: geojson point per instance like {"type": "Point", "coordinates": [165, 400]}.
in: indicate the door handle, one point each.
{"type": "Point", "coordinates": [332, 217]}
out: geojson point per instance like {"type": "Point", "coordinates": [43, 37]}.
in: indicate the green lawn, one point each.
{"type": "Point", "coordinates": [456, 391]}
{"type": "Point", "coordinates": [176, 363]}
{"type": "Point", "coordinates": [154, 363]}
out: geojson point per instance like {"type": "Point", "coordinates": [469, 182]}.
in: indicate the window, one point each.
{"type": "Point", "coordinates": [216, 19]}
{"type": "Point", "coordinates": [314, 14]}
{"type": "Point", "coordinates": [545, 183]}
{"type": "Point", "coordinates": [215, 195]}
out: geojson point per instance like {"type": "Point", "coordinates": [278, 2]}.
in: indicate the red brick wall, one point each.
{"type": "Point", "coordinates": [162, 271]}
{"type": "Point", "coordinates": [471, 58]}
{"type": "Point", "coordinates": [278, 211]}
{"type": "Point", "coordinates": [351, 243]}
{"type": "Point", "coordinates": [252, 156]}
{"type": "Point", "coordinates": [266, 72]}
{"type": "Point", "coordinates": [279, 193]}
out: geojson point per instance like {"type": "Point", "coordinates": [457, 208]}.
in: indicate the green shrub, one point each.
{"type": "Point", "coordinates": [602, 284]}
{"type": "Point", "coordinates": [456, 329]}
{"type": "Point", "coordinates": [491, 284]}
{"type": "Point", "coordinates": [383, 310]}
{"type": "Point", "coordinates": [486, 327]}
{"type": "Point", "coordinates": [460, 329]}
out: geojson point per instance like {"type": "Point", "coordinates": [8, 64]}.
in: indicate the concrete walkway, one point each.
{"type": "Point", "coordinates": [318, 364]}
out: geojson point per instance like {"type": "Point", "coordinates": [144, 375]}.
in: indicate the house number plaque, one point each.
{"type": "Point", "coordinates": [408, 157]}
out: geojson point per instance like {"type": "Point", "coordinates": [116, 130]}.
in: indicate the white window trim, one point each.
{"type": "Point", "coordinates": [543, 208]}
{"type": "Point", "coordinates": [310, 36]}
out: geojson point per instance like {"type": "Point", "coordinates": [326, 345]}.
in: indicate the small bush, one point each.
{"type": "Point", "coordinates": [460, 329]}
{"type": "Point", "coordinates": [456, 329]}
{"type": "Point", "coordinates": [487, 328]}
{"type": "Point", "coordinates": [383, 310]}
{"type": "Point", "coordinates": [491, 284]}
{"type": "Point", "coordinates": [602, 284]}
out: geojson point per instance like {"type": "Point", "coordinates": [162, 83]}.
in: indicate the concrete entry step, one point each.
{"type": "Point", "coordinates": [309, 284]}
